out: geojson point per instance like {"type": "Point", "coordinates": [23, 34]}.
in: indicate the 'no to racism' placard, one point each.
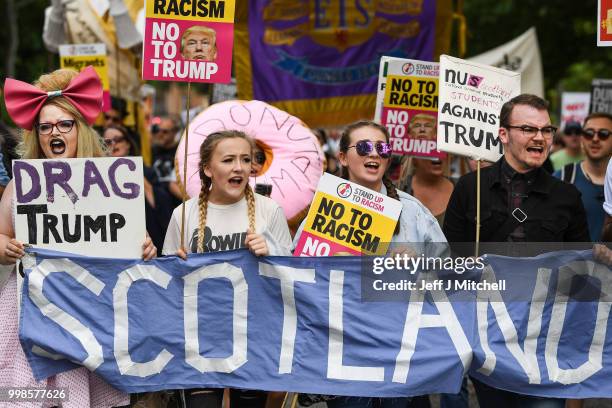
{"type": "Point", "coordinates": [347, 218]}
{"type": "Point", "coordinates": [91, 207]}
{"type": "Point", "coordinates": [188, 41]}
{"type": "Point", "coordinates": [79, 56]}
{"type": "Point", "coordinates": [407, 105]}
{"type": "Point", "coordinates": [471, 96]}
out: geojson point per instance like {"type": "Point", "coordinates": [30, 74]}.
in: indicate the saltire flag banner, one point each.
{"type": "Point", "coordinates": [319, 60]}
{"type": "Point", "coordinates": [79, 56]}
{"type": "Point", "coordinates": [188, 41]}
{"type": "Point", "coordinates": [540, 327]}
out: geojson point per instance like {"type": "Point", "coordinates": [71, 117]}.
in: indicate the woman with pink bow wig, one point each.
{"type": "Point", "coordinates": [56, 114]}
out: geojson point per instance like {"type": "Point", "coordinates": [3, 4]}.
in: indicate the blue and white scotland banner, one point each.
{"type": "Point", "coordinates": [538, 326]}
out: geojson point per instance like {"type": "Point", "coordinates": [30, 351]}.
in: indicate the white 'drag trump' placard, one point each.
{"type": "Point", "coordinates": [92, 207]}
{"type": "Point", "coordinates": [471, 96]}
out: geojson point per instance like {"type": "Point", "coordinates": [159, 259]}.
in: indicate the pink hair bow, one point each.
{"type": "Point", "coordinates": [24, 101]}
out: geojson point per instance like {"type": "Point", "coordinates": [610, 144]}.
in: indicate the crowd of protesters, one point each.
{"type": "Point", "coordinates": [521, 201]}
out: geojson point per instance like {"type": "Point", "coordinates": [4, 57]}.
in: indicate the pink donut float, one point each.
{"type": "Point", "coordinates": [294, 159]}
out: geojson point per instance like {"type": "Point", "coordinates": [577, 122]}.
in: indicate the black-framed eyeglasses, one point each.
{"type": "Point", "coordinates": [114, 140]}
{"type": "Point", "coordinates": [259, 157]}
{"type": "Point", "coordinates": [365, 147]}
{"type": "Point", "coordinates": [63, 126]}
{"type": "Point", "coordinates": [602, 134]}
{"type": "Point", "coordinates": [532, 131]}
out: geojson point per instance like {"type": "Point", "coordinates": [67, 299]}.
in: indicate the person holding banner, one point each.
{"type": "Point", "coordinates": [365, 154]}
{"type": "Point", "coordinates": [520, 202]}
{"type": "Point", "coordinates": [227, 215]}
{"type": "Point", "coordinates": [56, 115]}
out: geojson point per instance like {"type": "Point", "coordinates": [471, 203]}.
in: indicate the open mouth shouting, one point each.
{"type": "Point", "coordinates": [372, 166]}
{"type": "Point", "coordinates": [536, 151]}
{"type": "Point", "coordinates": [236, 181]}
{"type": "Point", "coordinates": [57, 146]}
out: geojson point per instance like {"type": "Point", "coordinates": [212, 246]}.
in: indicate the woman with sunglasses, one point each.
{"type": "Point", "coordinates": [365, 154]}
{"type": "Point", "coordinates": [56, 115]}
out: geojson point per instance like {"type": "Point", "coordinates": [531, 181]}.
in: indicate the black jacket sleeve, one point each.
{"type": "Point", "coordinates": [456, 224]}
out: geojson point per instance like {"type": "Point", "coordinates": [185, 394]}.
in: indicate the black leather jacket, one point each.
{"type": "Point", "coordinates": [554, 209]}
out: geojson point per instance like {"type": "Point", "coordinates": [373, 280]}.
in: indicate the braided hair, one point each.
{"type": "Point", "coordinates": [206, 151]}
{"type": "Point", "coordinates": [345, 141]}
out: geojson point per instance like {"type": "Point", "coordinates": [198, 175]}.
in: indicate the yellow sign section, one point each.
{"type": "Point", "coordinates": [411, 92]}
{"type": "Point", "coordinates": [349, 225]}
{"type": "Point", "coordinates": [220, 11]}
{"type": "Point", "coordinates": [79, 62]}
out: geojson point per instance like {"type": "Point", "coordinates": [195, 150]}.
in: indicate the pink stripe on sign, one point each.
{"type": "Point", "coordinates": [312, 245]}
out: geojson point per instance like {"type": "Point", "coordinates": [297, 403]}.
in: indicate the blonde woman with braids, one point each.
{"type": "Point", "coordinates": [227, 215]}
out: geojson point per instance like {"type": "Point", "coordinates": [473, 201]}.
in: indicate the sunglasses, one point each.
{"type": "Point", "coordinates": [114, 140]}
{"type": "Point", "coordinates": [602, 134]}
{"type": "Point", "coordinates": [365, 147]}
{"type": "Point", "coordinates": [63, 126]}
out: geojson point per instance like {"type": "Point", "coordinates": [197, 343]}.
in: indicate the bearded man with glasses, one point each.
{"type": "Point", "coordinates": [520, 202]}
{"type": "Point", "coordinates": [588, 175]}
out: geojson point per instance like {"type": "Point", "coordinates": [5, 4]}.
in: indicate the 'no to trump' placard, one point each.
{"type": "Point", "coordinates": [188, 41]}
{"type": "Point", "coordinates": [471, 97]}
{"type": "Point", "coordinates": [346, 218]}
{"type": "Point", "coordinates": [407, 105]}
{"type": "Point", "coordinates": [91, 207]}
{"type": "Point", "coordinates": [79, 56]}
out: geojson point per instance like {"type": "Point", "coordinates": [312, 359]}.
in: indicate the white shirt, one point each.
{"type": "Point", "coordinates": [226, 227]}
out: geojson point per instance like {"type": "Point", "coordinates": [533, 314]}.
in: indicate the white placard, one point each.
{"type": "Point", "coordinates": [574, 107]}
{"type": "Point", "coordinates": [92, 207]}
{"type": "Point", "coordinates": [471, 97]}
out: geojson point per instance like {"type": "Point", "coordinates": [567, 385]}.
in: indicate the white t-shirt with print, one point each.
{"type": "Point", "coordinates": [226, 227]}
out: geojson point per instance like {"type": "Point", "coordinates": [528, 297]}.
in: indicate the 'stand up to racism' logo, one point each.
{"type": "Point", "coordinates": [408, 68]}
{"type": "Point", "coordinates": [344, 190]}
{"type": "Point", "coordinates": [474, 81]}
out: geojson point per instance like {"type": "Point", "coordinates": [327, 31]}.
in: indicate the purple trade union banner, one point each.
{"type": "Point", "coordinates": [319, 59]}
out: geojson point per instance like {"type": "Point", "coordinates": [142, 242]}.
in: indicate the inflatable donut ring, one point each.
{"type": "Point", "coordinates": [294, 159]}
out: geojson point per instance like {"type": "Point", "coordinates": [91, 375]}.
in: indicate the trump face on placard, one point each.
{"type": "Point", "coordinates": [199, 43]}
